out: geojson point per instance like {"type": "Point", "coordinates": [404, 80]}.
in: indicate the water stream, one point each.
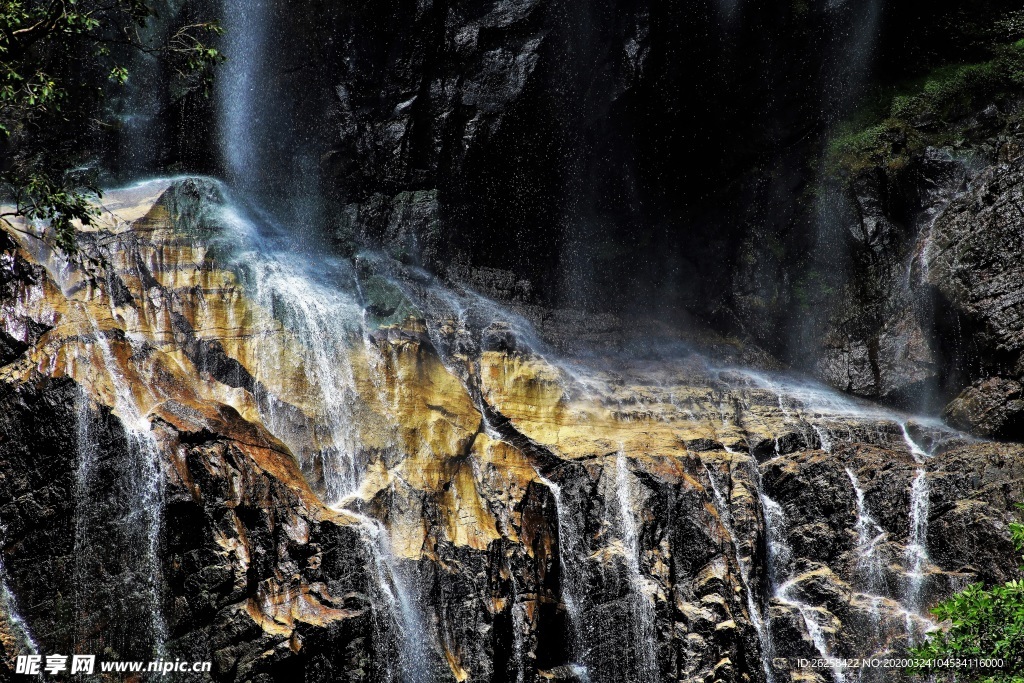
{"type": "Point", "coordinates": [784, 581]}
{"type": "Point", "coordinates": [9, 610]}
{"type": "Point", "coordinates": [573, 584]}
{"type": "Point", "coordinates": [917, 538]}
{"type": "Point", "coordinates": [641, 598]}
{"type": "Point", "coordinates": [869, 560]}
{"type": "Point", "coordinates": [753, 607]}
{"type": "Point", "coordinates": [403, 620]}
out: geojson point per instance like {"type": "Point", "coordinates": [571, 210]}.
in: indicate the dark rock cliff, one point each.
{"type": "Point", "coordinates": [513, 519]}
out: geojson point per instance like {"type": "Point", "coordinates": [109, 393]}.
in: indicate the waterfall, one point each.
{"type": "Point", "coordinates": [917, 545]}
{"type": "Point", "coordinates": [241, 91]}
{"type": "Point", "coordinates": [756, 618]}
{"type": "Point", "coordinates": [148, 488]}
{"type": "Point", "coordinates": [142, 482]}
{"type": "Point", "coordinates": [869, 535]}
{"type": "Point", "coordinates": [9, 609]}
{"type": "Point", "coordinates": [573, 585]}
{"type": "Point", "coordinates": [855, 28]}
{"type": "Point", "coordinates": [303, 293]}
{"type": "Point", "coordinates": [314, 297]}
{"type": "Point", "coordinates": [779, 557]}
{"type": "Point", "coordinates": [520, 625]}
{"type": "Point", "coordinates": [405, 618]}
{"type": "Point", "coordinates": [642, 607]}
{"type": "Point", "coordinates": [917, 536]}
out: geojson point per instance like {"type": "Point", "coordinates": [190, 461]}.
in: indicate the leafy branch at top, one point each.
{"type": "Point", "coordinates": [57, 61]}
{"type": "Point", "coordinates": [981, 623]}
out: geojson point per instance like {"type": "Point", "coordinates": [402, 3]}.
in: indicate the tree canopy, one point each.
{"type": "Point", "coordinates": [980, 623]}
{"type": "Point", "coordinates": [59, 59]}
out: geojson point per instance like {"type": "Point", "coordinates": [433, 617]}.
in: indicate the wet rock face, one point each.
{"type": "Point", "coordinates": [928, 317]}
{"type": "Point", "coordinates": [860, 578]}
{"type": "Point", "coordinates": [880, 339]}
{"type": "Point", "coordinates": [970, 257]}
{"type": "Point", "coordinates": [970, 261]}
{"type": "Point", "coordinates": [247, 576]}
{"type": "Point", "coordinates": [258, 578]}
{"type": "Point", "coordinates": [426, 498]}
{"type": "Point", "coordinates": [439, 104]}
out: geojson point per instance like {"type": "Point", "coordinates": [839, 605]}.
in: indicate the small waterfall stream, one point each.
{"type": "Point", "coordinates": [406, 622]}
{"type": "Point", "coordinates": [641, 597]}
{"type": "Point", "coordinates": [783, 582]}
{"type": "Point", "coordinates": [917, 538]}
{"type": "Point", "coordinates": [148, 486]}
{"type": "Point", "coordinates": [869, 561]}
{"type": "Point", "coordinates": [136, 527]}
{"type": "Point", "coordinates": [573, 584]}
{"type": "Point", "coordinates": [9, 609]}
{"type": "Point", "coordinates": [755, 610]}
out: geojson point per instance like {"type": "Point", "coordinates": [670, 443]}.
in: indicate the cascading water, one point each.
{"type": "Point", "coordinates": [753, 608]}
{"type": "Point", "coordinates": [869, 536]}
{"type": "Point", "coordinates": [818, 412]}
{"type": "Point", "coordinates": [573, 584]}
{"type": "Point", "coordinates": [241, 92]}
{"type": "Point", "coordinates": [405, 618]}
{"type": "Point", "coordinates": [347, 364]}
{"type": "Point", "coordinates": [315, 299]}
{"type": "Point", "coordinates": [326, 320]}
{"type": "Point", "coordinates": [9, 609]}
{"type": "Point", "coordinates": [917, 537]}
{"type": "Point", "coordinates": [779, 558]}
{"type": "Point", "coordinates": [140, 479]}
{"type": "Point", "coordinates": [917, 549]}
{"type": "Point", "coordinates": [641, 603]}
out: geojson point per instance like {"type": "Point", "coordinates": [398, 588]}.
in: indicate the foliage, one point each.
{"type": "Point", "coordinates": [58, 60]}
{"type": "Point", "coordinates": [982, 623]}
{"type": "Point", "coordinates": [927, 111]}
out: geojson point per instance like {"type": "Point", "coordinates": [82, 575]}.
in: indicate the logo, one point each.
{"type": "Point", "coordinates": [36, 665]}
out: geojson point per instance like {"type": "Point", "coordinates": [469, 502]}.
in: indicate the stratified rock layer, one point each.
{"type": "Point", "coordinates": [349, 472]}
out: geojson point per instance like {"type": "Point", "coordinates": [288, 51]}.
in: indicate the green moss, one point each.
{"type": "Point", "coordinates": [900, 121]}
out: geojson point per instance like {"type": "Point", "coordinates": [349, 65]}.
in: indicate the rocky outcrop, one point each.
{"type": "Point", "coordinates": [970, 261]}
{"type": "Point", "coordinates": [352, 472]}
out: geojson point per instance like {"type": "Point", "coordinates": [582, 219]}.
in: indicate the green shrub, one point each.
{"type": "Point", "coordinates": [983, 623]}
{"type": "Point", "coordinates": [926, 111]}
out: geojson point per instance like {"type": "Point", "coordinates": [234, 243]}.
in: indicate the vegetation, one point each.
{"type": "Point", "coordinates": [929, 111]}
{"type": "Point", "coordinates": [58, 61]}
{"type": "Point", "coordinates": [983, 623]}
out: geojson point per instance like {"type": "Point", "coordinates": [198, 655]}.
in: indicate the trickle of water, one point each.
{"type": "Point", "coordinates": [917, 545]}
{"type": "Point", "coordinates": [642, 621]}
{"type": "Point", "coordinates": [519, 627]}
{"type": "Point", "coordinates": [411, 665]}
{"type": "Point", "coordinates": [573, 585]}
{"type": "Point", "coordinates": [145, 451]}
{"type": "Point", "coordinates": [9, 608]}
{"type": "Point", "coordinates": [916, 451]}
{"type": "Point", "coordinates": [779, 558]}
{"type": "Point", "coordinates": [756, 617]}
{"type": "Point", "coordinates": [869, 535]}
{"type": "Point", "coordinates": [824, 437]}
